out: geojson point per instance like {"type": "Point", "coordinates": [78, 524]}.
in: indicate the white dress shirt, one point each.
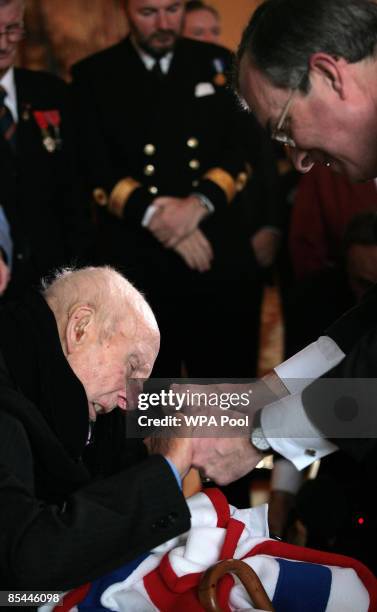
{"type": "Point", "coordinates": [9, 84]}
{"type": "Point", "coordinates": [285, 424]}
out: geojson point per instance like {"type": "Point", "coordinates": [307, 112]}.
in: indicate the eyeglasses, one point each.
{"type": "Point", "coordinates": [279, 133]}
{"type": "Point", "coordinates": [14, 32]}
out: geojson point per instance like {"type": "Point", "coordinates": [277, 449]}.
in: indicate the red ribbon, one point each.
{"type": "Point", "coordinates": [41, 119]}
{"type": "Point", "coordinates": [46, 118]}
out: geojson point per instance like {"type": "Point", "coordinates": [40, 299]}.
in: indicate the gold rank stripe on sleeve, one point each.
{"type": "Point", "coordinates": [121, 194]}
{"type": "Point", "coordinates": [224, 180]}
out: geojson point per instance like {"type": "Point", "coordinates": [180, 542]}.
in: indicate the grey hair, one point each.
{"type": "Point", "coordinates": [112, 297]}
{"type": "Point", "coordinates": [283, 34]}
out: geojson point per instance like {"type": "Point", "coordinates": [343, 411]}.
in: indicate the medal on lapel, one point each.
{"type": "Point", "coordinates": [49, 124]}
{"type": "Point", "coordinates": [53, 119]}
{"type": "Point", "coordinates": [219, 79]}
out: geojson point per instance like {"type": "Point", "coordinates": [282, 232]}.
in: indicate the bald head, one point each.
{"type": "Point", "coordinates": [107, 331]}
{"type": "Point", "coordinates": [110, 295]}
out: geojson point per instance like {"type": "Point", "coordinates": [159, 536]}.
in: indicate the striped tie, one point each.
{"type": "Point", "coordinates": [7, 124]}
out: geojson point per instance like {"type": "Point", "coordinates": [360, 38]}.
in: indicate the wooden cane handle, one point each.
{"type": "Point", "coordinates": [249, 579]}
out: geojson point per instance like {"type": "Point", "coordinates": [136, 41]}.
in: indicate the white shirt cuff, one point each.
{"type": "Point", "coordinates": [313, 361]}
{"type": "Point", "coordinates": [148, 215]}
{"type": "Point", "coordinates": [285, 477]}
{"type": "Point", "coordinates": [291, 434]}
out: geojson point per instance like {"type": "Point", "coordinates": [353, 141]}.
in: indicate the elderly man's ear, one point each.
{"type": "Point", "coordinates": [80, 328]}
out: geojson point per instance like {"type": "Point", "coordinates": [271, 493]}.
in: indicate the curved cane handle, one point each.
{"type": "Point", "coordinates": [249, 579]}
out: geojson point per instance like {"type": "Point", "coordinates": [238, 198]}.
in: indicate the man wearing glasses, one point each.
{"type": "Point", "coordinates": [38, 187]}
{"type": "Point", "coordinates": [308, 71]}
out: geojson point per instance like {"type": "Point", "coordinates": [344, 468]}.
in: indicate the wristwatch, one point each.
{"type": "Point", "coordinates": [257, 438]}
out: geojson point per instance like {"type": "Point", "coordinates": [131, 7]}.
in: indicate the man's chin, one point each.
{"type": "Point", "coordinates": [158, 50]}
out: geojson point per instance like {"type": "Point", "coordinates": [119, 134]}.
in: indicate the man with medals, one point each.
{"type": "Point", "coordinates": [38, 186]}
{"type": "Point", "coordinates": [166, 159]}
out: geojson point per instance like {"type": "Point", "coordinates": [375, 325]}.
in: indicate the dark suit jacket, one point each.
{"type": "Point", "coordinates": [63, 522]}
{"type": "Point", "coordinates": [342, 403]}
{"type": "Point", "coordinates": [39, 190]}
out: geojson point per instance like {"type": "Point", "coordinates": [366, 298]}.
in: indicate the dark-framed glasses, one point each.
{"type": "Point", "coordinates": [14, 32]}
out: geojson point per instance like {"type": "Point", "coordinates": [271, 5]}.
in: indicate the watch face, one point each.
{"type": "Point", "coordinates": [258, 440]}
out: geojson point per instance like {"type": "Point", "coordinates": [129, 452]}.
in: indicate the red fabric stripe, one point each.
{"type": "Point", "coordinates": [157, 590]}
{"type": "Point", "coordinates": [220, 504]}
{"type": "Point", "coordinates": [72, 598]}
{"type": "Point", "coordinates": [298, 553]}
{"type": "Point", "coordinates": [186, 600]}
{"type": "Point", "coordinates": [178, 584]}
{"type": "Point", "coordinates": [233, 534]}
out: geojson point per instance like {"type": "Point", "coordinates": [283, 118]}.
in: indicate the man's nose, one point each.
{"type": "Point", "coordinates": [301, 160]}
{"type": "Point", "coordinates": [162, 20]}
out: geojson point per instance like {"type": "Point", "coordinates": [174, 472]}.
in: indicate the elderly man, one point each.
{"type": "Point", "coordinates": [70, 510]}
{"type": "Point", "coordinates": [38, 182]}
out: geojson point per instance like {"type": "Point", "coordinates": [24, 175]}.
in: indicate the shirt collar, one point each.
{"type": "Point", "coordinates": [9, 84]}
{"type": "Point", "coordinates": [149, 61]}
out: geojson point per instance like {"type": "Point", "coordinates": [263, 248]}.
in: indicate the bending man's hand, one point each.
{"type": "Point", "coordinates": [196, 251]}
{"type": "Point", "coordinates": [175, 218]}
{"type": "Point", "coordinates": [224, 458]}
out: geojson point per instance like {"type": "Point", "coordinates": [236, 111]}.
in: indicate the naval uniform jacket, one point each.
{"type": "Point", "coordinates": [144, 137]}
{"type": "Point", "coordinates": [39, 189]}
{"type": "Point", "coordinates": [62, 524]}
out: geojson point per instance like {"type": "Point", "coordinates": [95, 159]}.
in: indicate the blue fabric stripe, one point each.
{"type": "Point", "coordinates": [302, 587]}
{"type": "Point", "coordinates": [93, 599]}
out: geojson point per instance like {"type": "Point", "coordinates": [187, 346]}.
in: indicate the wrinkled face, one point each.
{"type": "Point", "coordinates": [103, 367]}
{"type": "Point", "coordinates": [10, 15]}
{"type": "Point", "coordinates": [155, 24]}
{"type": "Point", "coordinates": [336, 126]}
{"type": "Point", "coordinates": [202, 25]}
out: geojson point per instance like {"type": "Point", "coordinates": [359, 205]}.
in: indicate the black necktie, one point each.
{"type": "Point", "coordinates": [156, 70]}
{"type": "Point", "coordinates": [7, 124]}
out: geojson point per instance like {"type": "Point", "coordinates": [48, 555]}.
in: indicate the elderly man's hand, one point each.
{"type": "Point", "coordinates": [175, 218]}
{"type": "Point", "coordinates": [196, 251]}
{"type": "Point", "coordinates": [178, 450]}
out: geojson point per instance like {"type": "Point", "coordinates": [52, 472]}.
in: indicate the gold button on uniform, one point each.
{"type": "Point", "coordinates": [193, 143]}
{"type": "Point", "coordinates": [149, 149]}
{"type": "Point", "coordinates": [194, 164]}
{"type": "Point", "coordinates": [149, 170]}
{"type": "Point", "coordinates": [153, 190]}
{"type": "Point", "coordinates": [100, 196]}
